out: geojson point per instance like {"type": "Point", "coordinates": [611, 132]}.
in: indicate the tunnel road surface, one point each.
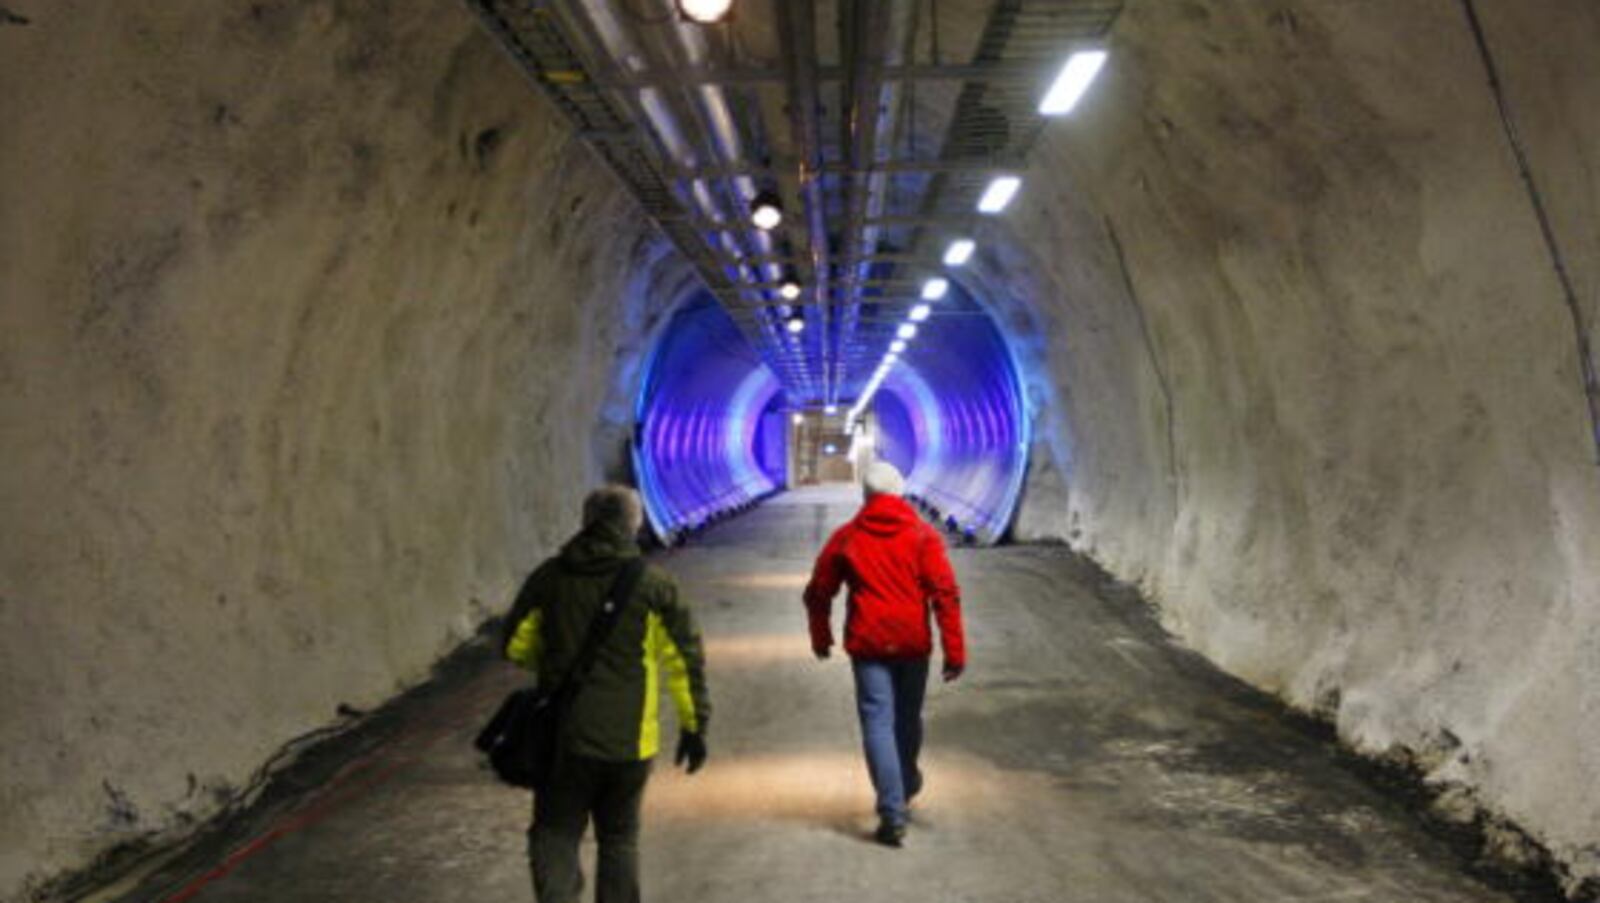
{"type": "Point", "coordinates": [1083, 757]}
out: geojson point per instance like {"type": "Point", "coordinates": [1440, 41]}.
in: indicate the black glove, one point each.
{"type": "Point", "coordinates": [691, 749]}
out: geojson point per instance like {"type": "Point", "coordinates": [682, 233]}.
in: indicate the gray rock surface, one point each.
{"type": "Point", "coordinates": [315, 323]}
{"type": "Point", "coordinates": [1379, 496]}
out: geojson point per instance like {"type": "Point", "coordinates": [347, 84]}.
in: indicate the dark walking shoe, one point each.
{"type": "Point", "coordinates": [890, 834]}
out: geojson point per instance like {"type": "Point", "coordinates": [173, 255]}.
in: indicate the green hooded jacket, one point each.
{"type": "Point", "coordinates": [615, 715]}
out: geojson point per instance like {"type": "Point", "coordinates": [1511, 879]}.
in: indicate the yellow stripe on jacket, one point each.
{"type": "Point", "coordinates": [527, 644]}
{"type": "Point", "coordinates": [659, 650]}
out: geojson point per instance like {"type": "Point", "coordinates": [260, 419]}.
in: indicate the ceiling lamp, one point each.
{"type": "Point", "coordinates": [919, 313]}
{"type": "Point", "coordinates": [789, 288]}
{"type": "Point", "coordinates": [935, 288]}
{"type": "Point", "coordinates": [830, 409]}
{"type": "Point", "coordinates": [766, 211]}
{"type": "Point", "coordinates": [704, 11]}
{"type": "Point", "coordinates": [897, 346]}
{"type": "Point", "coordinates": [906, 331]}
{"type": "Point", "coordinates": [999, 193]}
{"type": "Point", "coordinates": [796, 324]}
{"type": "Point", "coordinates": [1070, 86]}
{"type": "Point", "coordinates": [959, 252]}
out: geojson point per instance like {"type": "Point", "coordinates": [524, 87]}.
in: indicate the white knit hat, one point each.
{"type": "Point", "coordinates": [881, 478]}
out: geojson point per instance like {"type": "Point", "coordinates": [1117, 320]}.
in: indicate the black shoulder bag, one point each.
{"type": "Point", "coordinates": [521, 739]}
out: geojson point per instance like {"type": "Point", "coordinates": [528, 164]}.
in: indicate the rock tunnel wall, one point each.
{"type": "Point", "coordinates": [315, 324]}
{"type": "Point", "coordinates": [309, 313]}
{"type": "Point", "coordinates": [1310, 378]}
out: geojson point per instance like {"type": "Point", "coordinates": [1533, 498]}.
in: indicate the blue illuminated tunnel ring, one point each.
{"type": "Point", "coordinates": [711, 429]}
{"type": "Point", "coordinates": [953, 417]}
{"type": "Point", "coordinates": [708, 425]}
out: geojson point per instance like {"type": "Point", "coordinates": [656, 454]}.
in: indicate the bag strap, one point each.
{"type": "Point", "coordinates": [604, 620]}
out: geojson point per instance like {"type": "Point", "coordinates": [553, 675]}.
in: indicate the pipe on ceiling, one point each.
{"type": "Point", "coordinates": [624, 44]}
{"type": "Point", "coordinates": [797, 33]}
{"type": "Point", "coordinates": [873, 30]}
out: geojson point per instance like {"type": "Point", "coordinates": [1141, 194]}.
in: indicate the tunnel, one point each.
{"type": "Point", "coordinates": [711, 433]}
{"type": "Point", "coordinates": [953, 417]}
{"type": "Point", "coordinates": [1241, 352]}
{"type": "Point", "coordinates": [713, 425]}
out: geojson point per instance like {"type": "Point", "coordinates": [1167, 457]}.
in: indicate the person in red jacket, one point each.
{"type": "Point", "coordinates": [896, 568]}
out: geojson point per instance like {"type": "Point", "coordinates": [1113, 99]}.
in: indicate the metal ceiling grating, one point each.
{"type": "Point", "coordinates": [538, 41]}
{"type": "Point", "coordinates": [858, 292]}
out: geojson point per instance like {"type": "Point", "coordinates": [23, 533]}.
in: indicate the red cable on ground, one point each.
{"type": "Point", "coordinates": [334, 794]}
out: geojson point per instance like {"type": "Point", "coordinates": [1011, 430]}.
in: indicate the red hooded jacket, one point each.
{"type": "Point", "coordinates": [896, 566]}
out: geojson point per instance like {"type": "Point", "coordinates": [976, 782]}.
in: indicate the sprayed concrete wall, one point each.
{"type": "Point", "coordinates": [308, 314]}
{"type": "Point", "coordinates": [315, 323]}
{"type": "Point", "coordinates": [1312, 380]}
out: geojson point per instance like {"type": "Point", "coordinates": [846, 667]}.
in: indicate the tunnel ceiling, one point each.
{"type": "Point", "coordinates": [876, 126]}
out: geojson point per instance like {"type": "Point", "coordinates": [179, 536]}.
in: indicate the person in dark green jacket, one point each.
{"type": "Point", "coordinates": [612, 732]}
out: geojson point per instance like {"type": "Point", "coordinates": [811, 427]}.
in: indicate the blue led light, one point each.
{"type": "Point", "coordinates": [709, 420]}
{"type": "Point", "coordinates": [954, 420]}
{"type": "Point", "coordinates": [713, 424]}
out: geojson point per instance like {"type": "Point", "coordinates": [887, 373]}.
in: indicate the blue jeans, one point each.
{"type": "Point", "coordinates": [889, 700]}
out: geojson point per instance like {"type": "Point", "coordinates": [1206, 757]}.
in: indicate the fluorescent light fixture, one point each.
{"type": "Point", "coordinates": [789, 289]}
{"type": "Point", "coordinates": [798, 419]}
{"type": "Point", "coordinates": [831, 409]}
{"type": "Point", "coordinates": [796, 324]}
{"type": "Point", "coordinates": [999, 193]}
{"type": "Point", "coordinates": [1070, 86]}
{"type": "Point", "coordinates": [935, 288]}
{"type": "Point", "coordinates": [959, 252]}
{"type": "Point", "coordinates": [897, 346]}
{"type": "Point", "coordinates": [919, 313]}
{"type": "Point", "coordinates": [766, 211]}
{"type": "Point", "coordinates": [704, 11]}
{"type": "Point", "coordinates": [906, 331]}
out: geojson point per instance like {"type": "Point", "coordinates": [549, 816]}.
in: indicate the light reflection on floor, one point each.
{"type": "Point", "coordinates": [754, 650]}
{"type": "Point", "coordinates": [825, 787]}
{"type": "Point", "coordinates": [765, 580]}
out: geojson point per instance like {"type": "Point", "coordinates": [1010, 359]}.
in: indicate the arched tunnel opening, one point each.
{"type": "Point", "coordinates": [711, 427]}
{"type": "Point", "coordinates": [716, 433]}
{"type": "Point", "coordinates": [1240, 353]}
